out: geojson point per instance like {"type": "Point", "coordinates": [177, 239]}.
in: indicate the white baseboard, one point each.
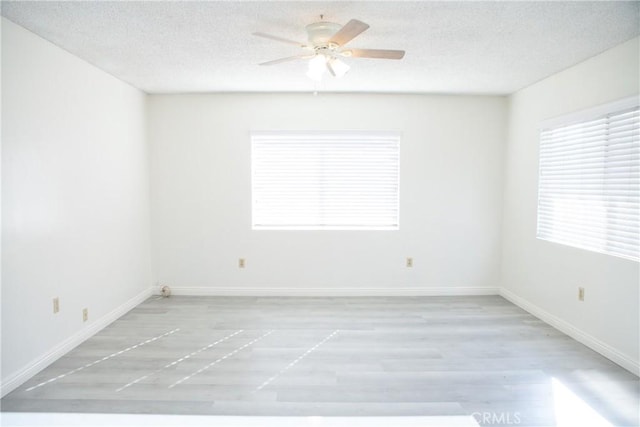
{"type": "Point", "coordinates": [563, 326]}
{"type": "Point", "coordinates": [329, 292]}
{"type": "Point", "coordinates": [16, 380]}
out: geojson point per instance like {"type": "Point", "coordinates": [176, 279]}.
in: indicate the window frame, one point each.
{"type": "Point", "coordinates": [575, 118]}
{"type": "Point", "coordinates": [332, 135]}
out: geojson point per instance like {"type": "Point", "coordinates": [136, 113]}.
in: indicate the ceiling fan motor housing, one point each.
{"type": "Point", "coordinates": [321, 32]}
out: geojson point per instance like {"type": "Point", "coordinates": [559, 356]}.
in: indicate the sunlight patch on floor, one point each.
{"type": "Point", "coordinates": [572, 411]}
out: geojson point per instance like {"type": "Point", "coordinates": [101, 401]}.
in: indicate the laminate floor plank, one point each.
{"type": "Point", "coordinates": [337, 356]}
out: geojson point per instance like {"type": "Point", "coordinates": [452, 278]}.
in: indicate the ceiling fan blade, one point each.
{"type": "Point", "coordinates": [280, 39]}
{"type": "Point", "coordinates": [375, 53]}
{"type": "Point", "coordinates": [287, 59]}
{"type": "Point", "coordinates": [347, 33]}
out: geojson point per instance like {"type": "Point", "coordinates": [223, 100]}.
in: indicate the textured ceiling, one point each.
{"type": "Point", "coordinates": [452, 47]}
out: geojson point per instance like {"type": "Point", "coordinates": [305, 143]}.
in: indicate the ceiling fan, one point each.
{"type": "Point", "coordinates": [326, 45]}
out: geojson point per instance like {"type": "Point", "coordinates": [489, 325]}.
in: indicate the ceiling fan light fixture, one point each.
{"type": "Point", "coordinates": [317, 66]}
{"type": "Point", "coordinates": [337, 67]}
{"type": "Point", "coordinates": [326, 43]}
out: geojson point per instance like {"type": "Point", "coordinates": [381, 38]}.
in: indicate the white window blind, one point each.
{"type": "Point", "coordinates": [325, 180]}
{"type": "Point", "coordinates": [589, 182]}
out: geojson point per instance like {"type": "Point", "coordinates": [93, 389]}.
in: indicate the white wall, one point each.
{"type": "Point", "coordinates": [451, 196]}
{"type": "Point", "coordinates": [545, 276]}
{"type": "Point", "coordinates": [75, 213]}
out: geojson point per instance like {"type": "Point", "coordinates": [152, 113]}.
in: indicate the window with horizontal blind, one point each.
{"type": "Point", "coordinates": [325, 180]}
{"type": "Point", "coordinates": [589, 181]}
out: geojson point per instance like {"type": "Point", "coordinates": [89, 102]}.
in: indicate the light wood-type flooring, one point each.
{"type": "Point", "coordinates": [339, 356]}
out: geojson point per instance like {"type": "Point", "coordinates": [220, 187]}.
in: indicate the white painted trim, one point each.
{"type": "Point", "coordinates": [577, 334]}
{"type": "Point", "coordinates": [591, 113]}
{"type": "Point", "coordinates": [328, 292]}
{"type": "Point", "coordinates": [32, 368]}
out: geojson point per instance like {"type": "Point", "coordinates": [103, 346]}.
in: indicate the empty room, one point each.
{"type": "Point", "coordinates": [305, 213]}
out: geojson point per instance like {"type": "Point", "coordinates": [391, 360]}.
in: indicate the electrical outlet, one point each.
{"type": "Point", "coordinates": [409, 262]}
{"type": "Point", "coordinates": [56, 305]}
{"type": "Point", "coordinates": [580, 294]}
{"type": "Point", "coordinates": [241, 263]}
{"type": "Point", "coordinates": [85, 314]}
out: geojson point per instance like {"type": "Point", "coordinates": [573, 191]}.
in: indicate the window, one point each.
{"type": "Point", "coordinates": [325, 180]}
{"type": "Point", "coordinates": [588, 191]}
